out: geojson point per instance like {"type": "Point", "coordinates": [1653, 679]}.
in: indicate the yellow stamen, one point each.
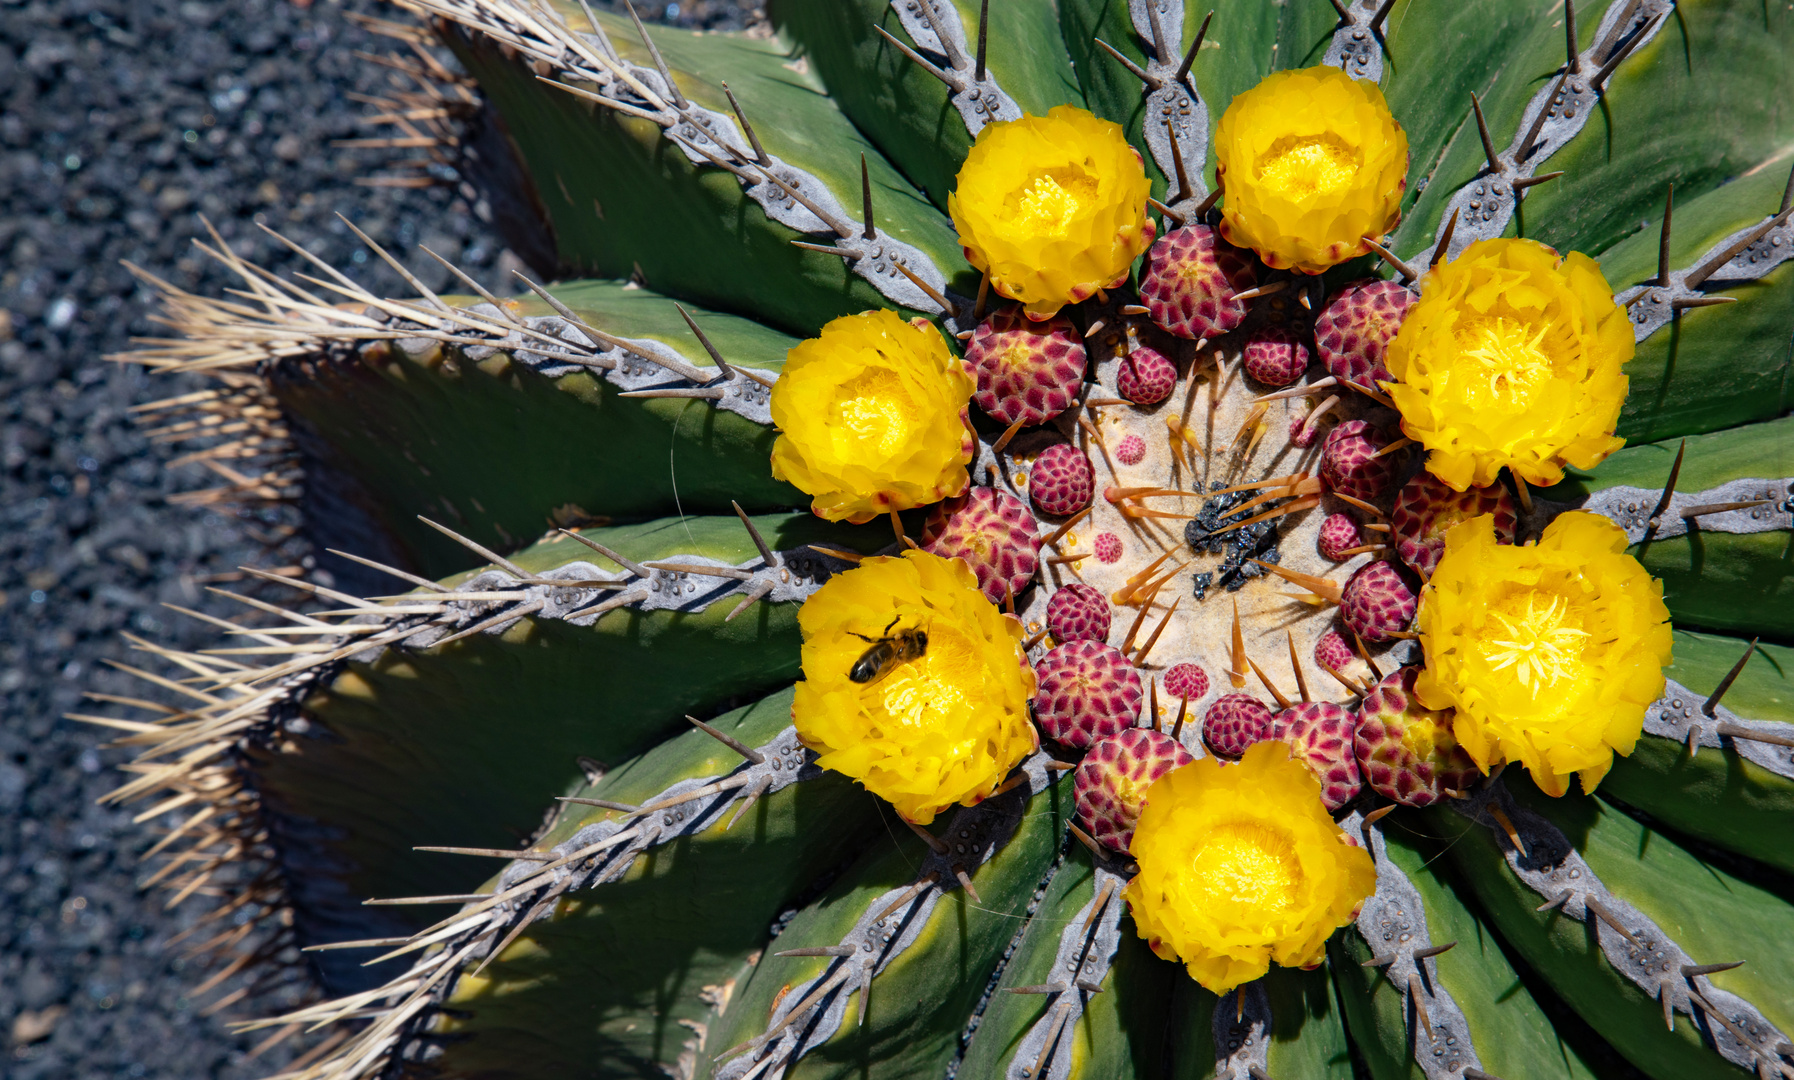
{"type": "Point", "coordinates": [1512, 362]}
{"type": "Point", "coordinates": [1539, 647]}
{"type": "Point", "coordinates": [1248, 865]}
{"type": "Point", "coordinates": [1048, 205]}
{"type": "Point", "coordinates": [1300, 166]}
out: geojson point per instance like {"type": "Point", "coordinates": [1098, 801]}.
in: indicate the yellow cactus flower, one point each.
{"type": "Point", "coordinates": [872, 417]}
{"type": "Point", "coordinates": [1550, 653]}
{"type": "Point", "coordinates": [944, 716]}
{"type": "Point", "coordinates": [1241, 865]}
{"type": "Point", "coordinates": [1310, 163]}
{"type": "Point", "coordinates": [1052, 207]}
{"type": "Point", "coordinates": [1511, 357]}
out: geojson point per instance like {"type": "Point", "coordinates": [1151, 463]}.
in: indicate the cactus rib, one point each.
{"type": "Point", "coordinates": [1087, 948]}
{"type": "Point", "coordinates": [789, 195]}
{"type": "Point", "coordinates": [1393, 923]}
{"type": "Point", "coordinates": [1176, 119]}
{"type": "Point", "coordinates": [811, 1012]}
{"type": "Point", "coordinates": [1686, 717]}
{"type": "Point", "coordinates": [1552, 118]}
{"type": "Point", "coordinates": [1740, 506]}
{"type": "Point", "coordinates": [974, 89]}
{"type": "Point", "coordinates": [527, 889]}
{"type": "Point", "coordinates": [1357, 46]}
{"type": "Point", "coordinates": [1748, 254]}
{"type": "Point", "coordinates": [1542, 858]}
{"type": "Point", "coordinates": [1243, 1024]}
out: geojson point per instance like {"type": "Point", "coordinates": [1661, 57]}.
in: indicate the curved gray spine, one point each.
{"type": "Point", "coordinates": [1653, 306]}
{"type": "Point", "coordinates": [1631, 508]}
{"type": "Point", "coordinates": [1680, 714]}
{"type": "Point", "coordinates": [540, 35]}
{"type": "Point", "coordinates": [1554, 870]}
{"type": "Point", "coordinates": [1393, 923]}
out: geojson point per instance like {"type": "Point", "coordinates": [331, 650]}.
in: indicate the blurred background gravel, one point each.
{"type": "Point", "coordinates": [121, 121]}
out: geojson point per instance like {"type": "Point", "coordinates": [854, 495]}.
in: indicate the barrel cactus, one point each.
{"type": "Point", "coordinates": [1334, 620]}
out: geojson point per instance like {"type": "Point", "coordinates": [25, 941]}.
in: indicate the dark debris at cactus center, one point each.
{"type": "Point", "coordinates": [1237, 547]}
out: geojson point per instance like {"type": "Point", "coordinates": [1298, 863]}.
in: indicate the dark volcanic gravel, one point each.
{"type": "Point", "coordinates": [120, 122]}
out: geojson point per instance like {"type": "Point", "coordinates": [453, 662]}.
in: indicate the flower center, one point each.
{"type": "Point", "coordinates": [1508, 355]}
{"type": "Point", "coordinates": [873, 411]}
{"type": "Point", "coordinates": [1247, 866]}
{"type": "Point", "coordinates": [1046, 207]}
{"type": "Point", "coordinates": [1536, 641]}
{"type": "Point", "coordinates": [929, 692]}
{"type": "Point", "coordinates": [1298, 166]}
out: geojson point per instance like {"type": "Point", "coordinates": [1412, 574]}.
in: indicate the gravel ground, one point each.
{"type": "Point", "coordinates": [120, 123]}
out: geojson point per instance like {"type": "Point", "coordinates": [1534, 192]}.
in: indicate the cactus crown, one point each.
{"type": "Point", "coordinates": [1141, 507]}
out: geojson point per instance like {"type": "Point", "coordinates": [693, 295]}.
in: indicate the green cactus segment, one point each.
{"type": "Point", "coordinates": [1308, 1036]}
{"type": "Point", "coordinates": [1709, 913]}
{"type": "Point", "coordinates": [460, 743]}
{"type": "Point", "coordinates": [1623, 990]}
{"type": "Point", "coordinates": [669, 932]}
{"type": "Point", "coordinates": [924, 124]}
{"type": "Point", "coordinates": [1706, 369]}
{"type": "Point", "coordinates": [1084, 996]}
{"type": "Point", "coordinates": [1727, 778]}
{"type": "Point", "coordinates": [1504, 1032]}
{"type": "Point", "coordinates": [907, 930]}
{"type": "Point", "coordinates": [1713, 581]}
{"type": "Point", "coordinates": [460, 433]}
{"type": "Point", "coordinates": [624, 200]}
{"type": "Point", "coordinates": [1699, 103]}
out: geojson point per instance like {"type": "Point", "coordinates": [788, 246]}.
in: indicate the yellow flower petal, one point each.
{"type": "Point", "coordinates": [933, 729]}
{"type": "Point", "coordinates": [1511, 357]}
{"type": "Point", "coordinates": [872, 417]}
{"type": "Point", "coordinates": [1550, 653]}
{"type": "Point", "coordinates": [1310, 162]}
{"type": "Point", "coordinates": [1052, 207]}
{"type": "Point", "coordinates": [1241, 865]}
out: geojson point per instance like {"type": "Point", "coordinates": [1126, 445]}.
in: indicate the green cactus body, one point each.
{"type": "Point", "coordinates": [575, 490]}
